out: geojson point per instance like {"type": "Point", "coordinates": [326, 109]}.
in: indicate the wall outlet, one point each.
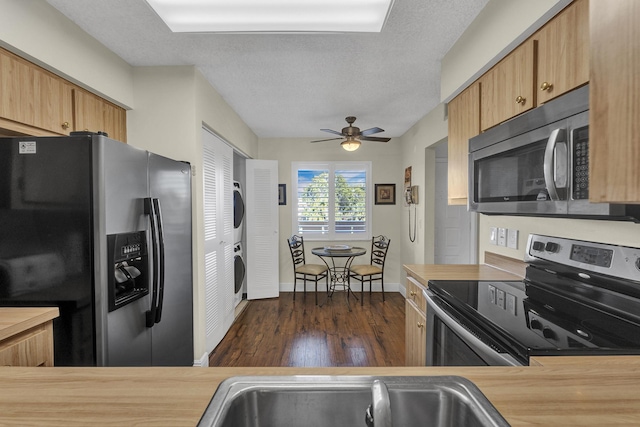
{"type": "Point", "coordinates": [493, 235]}
{"type": "Point", "coordinates": [512, 239]}
{"type": "Point", "coordinates": [502, 236]}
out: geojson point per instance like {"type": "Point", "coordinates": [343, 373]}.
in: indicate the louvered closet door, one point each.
{"type": "Point", "coordinates": [263, 277]}
{"type": "Point", "coordinates": [218, 237]}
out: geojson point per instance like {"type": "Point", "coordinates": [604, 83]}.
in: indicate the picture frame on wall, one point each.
{"type": "Point", "coordinates": [385, 194]}
{"type": "Point", "coordinates": [282, 194]}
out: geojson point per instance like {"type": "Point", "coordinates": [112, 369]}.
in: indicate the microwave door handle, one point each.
{"type": "Point", "coordinates": [555, 163]}
{"type": "Point", "coordinates": [496, 358]}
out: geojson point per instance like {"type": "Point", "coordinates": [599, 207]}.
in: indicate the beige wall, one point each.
{"type": "Point", "coordinates": [386, 169]}
{"type": "Point", "coordinates": [620, 233]}
{"type": "Point", "coordinates": [498, 28]}
{"type": "Point", "coordinates": [168, 105]}
{"type": "Point", "coordinates": [38, 32]}
{"type": "Point", "coordinates": [417, 154]}
{"type": "Point", "coordinates": [172, 106]}
{"type": "Point", "coordinates": [501, 25]}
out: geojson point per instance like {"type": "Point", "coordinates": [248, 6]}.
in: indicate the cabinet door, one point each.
{"type": "Point", "coordinates": [30, 95]}
{"type": "Point", "coordinates": [464, 123]}
{"type": "Point", "coordinates": [94, 114]}
{"type": "Point", "coordinates": [263, 276]}
{"type": "Point", "coordinates": [508, 88]}
{"type": "Point", "coordinates": [563, 52]}
{"type": "Point", "coordinates": [415, 336]}
{"type": "Point", "coordinates": [614, 102]}
{"type": "Point", "coordinates": [217, 173]}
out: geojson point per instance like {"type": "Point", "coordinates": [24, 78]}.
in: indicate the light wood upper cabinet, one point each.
{"type": "Point", "coordinates": [508, 88]}
{"type": "Point", "coordinates": [34, 101]}
{"type": "Point", "coordinates": [614, 124]}
{"type": "Point", "coordinates": [94, 114]}
{"type": "Point", "coordinates": [464, 123]}
{"type": "Point", "coordinates": [563, 52]}
{"type": "Point", "coordinates": [31, 96]}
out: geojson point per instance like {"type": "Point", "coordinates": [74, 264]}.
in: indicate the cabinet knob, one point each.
{"type": "Point", "coordinates": [65, 125]}
{"type": "Point", "coordinates": [520, 100]}
{"type": "Point", "coordinates": [546, 86]}
{"type": "Point", "coordinates": [413, 293]}
{"type": "Point", "coordinates": [420, 325]}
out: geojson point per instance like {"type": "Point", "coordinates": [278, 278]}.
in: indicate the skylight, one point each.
{"type": "Point", "coordinates": [273, 16]}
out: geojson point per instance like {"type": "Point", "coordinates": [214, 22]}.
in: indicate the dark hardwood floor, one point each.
{"type": "Point", "coordinates": [283, 332]}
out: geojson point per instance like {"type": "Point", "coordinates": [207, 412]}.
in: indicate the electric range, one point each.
{"type": "Point", "coordinates": [577, 298]}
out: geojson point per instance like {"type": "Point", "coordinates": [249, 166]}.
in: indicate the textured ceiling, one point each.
{"type": "Point", "coordinates": [292, 85]}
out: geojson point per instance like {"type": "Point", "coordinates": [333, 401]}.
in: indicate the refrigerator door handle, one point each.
{"type": "Point", "coordinates": [161, 264]}
{"type": "Point", "coordinates": [149, 209]}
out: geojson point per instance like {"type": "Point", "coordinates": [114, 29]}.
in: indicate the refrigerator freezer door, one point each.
{"type": "Point", "coordinates": [45, 237]}
{"type": "Point", "coordinates": [119, 200]}
{"type": "Point", "coordinates": [172, 336]}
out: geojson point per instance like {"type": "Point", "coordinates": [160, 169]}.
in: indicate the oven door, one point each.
{"type": "Point", "coordinates": [449, 343]}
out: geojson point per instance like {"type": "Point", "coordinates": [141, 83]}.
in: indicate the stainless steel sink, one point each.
{"type": "Point", "coordinates": [335, 401]}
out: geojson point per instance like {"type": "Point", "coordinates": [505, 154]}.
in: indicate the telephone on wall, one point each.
{"type": "Point", "coordinates": [411, 195]}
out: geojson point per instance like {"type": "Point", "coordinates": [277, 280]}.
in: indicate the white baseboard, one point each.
{"type": "Point", "coordinates": [355, 287]}
{"type": "Point", "coordinates": [203, 362]}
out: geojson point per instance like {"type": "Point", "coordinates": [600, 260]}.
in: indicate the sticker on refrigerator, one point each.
{"type": "Point", "coordinates": [27, 147]}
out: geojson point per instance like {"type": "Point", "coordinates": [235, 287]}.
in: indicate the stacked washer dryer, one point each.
{"type": "Point", "coordinates": [238, 259]}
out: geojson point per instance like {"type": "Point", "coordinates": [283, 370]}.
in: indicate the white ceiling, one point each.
{"type": "Point", "coordinates": [292, 85]}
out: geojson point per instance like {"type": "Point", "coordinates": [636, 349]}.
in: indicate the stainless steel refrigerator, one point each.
{"type": "Point", "coordinates": [101, 230]}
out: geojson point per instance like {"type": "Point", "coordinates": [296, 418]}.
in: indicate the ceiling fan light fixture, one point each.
{"type": "Point", "coordinates": [274, 16]}
{"type": "Point", "coordinates": [350, 144]}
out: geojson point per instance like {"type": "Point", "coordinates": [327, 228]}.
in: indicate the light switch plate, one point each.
{"type": "Point", "coordinates": [502, 236]}
{"type": "Point", "coordinates": [512, 239]}
{"type": "Point", "coordinates": [493, 235]}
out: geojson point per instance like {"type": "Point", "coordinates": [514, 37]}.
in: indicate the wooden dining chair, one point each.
{"type": "Point", "coordinates": [367, 273]}
{"type": "Point", "coordinates": [302, 270]}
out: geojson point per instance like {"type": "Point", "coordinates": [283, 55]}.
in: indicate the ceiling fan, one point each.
{"type": "Point", "coordinates": [353, 135]}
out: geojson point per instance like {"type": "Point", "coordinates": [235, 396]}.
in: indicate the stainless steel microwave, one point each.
{"type": "Point", "coordinates": [537, 164]}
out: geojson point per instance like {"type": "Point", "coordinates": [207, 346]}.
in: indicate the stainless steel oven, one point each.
{"type": "Point", "coordinates": [537, 164]}
{"type": "Point", "coordinates": [577, 298]}
{"type": "Point", "coordinates": [453, 340]}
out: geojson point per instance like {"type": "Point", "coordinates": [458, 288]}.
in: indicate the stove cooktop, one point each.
{"type": "Point", "coordinates": [538, 320]}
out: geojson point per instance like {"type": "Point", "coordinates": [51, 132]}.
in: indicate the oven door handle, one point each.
{"type": "Point", "coordinates": [496, 358]}
{"type": "Point", "coordinates": [555, 164]}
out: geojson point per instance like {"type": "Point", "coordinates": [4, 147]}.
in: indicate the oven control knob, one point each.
{"type": "Point", "coordinates": [538, 246]}
{"type": "Point", "coordinates": [551, 247]}
{"type": "Point", "coordinates": [548, 333]}
{"type": "Point", "coordinates": [535, 324]}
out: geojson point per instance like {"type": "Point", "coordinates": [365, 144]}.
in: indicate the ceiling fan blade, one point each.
{"type": "Point", "coordinates": [330, 139]}
{"type": "Point", "coordinates": [371, 131]}
{"type": "Point", "coordinates": [331, 131]}
{"type": "Point", "coordinates": [374, 138]}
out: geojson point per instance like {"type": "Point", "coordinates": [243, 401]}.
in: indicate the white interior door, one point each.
{"type": "Point", "coordinates": [218, 237]}
{"type": "Point", "coordinates": [455, 241]}
{"type": "Point", "coordinates": [262, 229]}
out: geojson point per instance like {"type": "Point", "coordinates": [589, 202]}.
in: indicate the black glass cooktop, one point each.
{"type": "Point", "coordinates": [529, 319]}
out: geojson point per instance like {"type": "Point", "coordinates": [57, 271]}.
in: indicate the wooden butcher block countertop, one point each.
{"type": "Point", "coordinates": [584, 391]}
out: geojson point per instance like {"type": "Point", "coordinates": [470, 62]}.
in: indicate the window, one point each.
{"type": "Point", "coordinates": [332, 200]}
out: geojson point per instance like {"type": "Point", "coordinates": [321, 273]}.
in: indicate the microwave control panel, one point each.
{"type": "Point", "coordinates": [580, 172]}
